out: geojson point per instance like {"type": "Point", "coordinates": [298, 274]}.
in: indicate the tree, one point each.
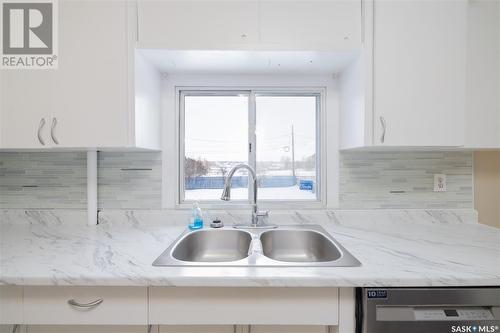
{"type": "Point", "coordinates": [309, 162]}
{"type": "Point", "coordinates": [286, 162]}
{"type": "Point", "coordinates": [195, 168]}
{"type": "Point", "coordinates": [222, 170]}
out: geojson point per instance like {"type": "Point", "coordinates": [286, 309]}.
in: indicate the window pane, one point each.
{"type": "Point", "coordinates": [286, 147]}
{"type": "Point", "coordinates": [216, 138]}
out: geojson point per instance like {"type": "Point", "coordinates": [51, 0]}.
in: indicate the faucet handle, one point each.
{"type": "Point", "coordinates": [263, 213]}
{"type": "Point", "coordinates": [262, 217]}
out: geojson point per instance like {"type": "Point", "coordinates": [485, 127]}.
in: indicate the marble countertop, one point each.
{"type": "Point", "coordinates": [396, 248]}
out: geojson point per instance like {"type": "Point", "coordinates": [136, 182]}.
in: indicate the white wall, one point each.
{"type": "Point", "coordinates": [147, 102]}
{"type": "Point", "coordinates": [1, 89]}
{"type": "Point", "coordinates": [352, 105]}
{"type": "Point", "coordinates": [498, 59]}
{"type": "Point", "coordinates": [170, 142]}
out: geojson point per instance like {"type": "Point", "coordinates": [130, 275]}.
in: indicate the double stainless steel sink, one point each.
{"type": "Point", "coordinates": [299, 246]}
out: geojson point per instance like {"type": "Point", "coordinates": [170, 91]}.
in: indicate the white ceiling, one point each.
{"type": "Point", "coordinates": [248, 62]}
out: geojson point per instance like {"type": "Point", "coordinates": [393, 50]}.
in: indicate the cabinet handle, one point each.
{"type": "Point", "coordinates": [382, 122]}
{"type": "Point", "coordinates": [52, 128]}
{"type": "Point", "coordinates": [40, 127]}
{"type": "Point", "coordinates": [15, 328]}
{"type": "Point", "coordinates": [92, 304]}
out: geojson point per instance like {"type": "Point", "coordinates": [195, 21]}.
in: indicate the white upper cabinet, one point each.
{"type": "Point", "coordinates": [483, 75]}
{"type": "Point", "coordinates": [25, 104]}
{"type": "Point", "coordinates": [88, 101]}
{"type": "Point", "coordinates": [90, 93]}
{"type": "Point", "coordinates": [197, 25]}
{"type": "Point", "coordinates": [311, 25]}
{"type": "Point", "coordinates": [326, 25]}
{"type": "Point", "coordinates": [419, 73]}
{"type": "Point", "coordinates": [408, 87]}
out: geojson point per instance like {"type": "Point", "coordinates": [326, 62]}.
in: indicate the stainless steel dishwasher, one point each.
{"type": "Point", "coordinates": [428, 310]}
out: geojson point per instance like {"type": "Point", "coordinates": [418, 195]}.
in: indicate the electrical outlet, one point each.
{"type": "Point", "coordinates": [439, 182]}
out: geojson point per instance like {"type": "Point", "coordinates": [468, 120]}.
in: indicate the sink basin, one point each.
{"type": "Point", "coordinates": [298, 246]}
{"type": "Point", "coordinates": [286, 246]}
{"type": "Point", "coordinates": [213, 246]}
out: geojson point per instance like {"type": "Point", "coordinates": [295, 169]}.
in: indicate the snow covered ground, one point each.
{"type": "Point", "coordinates": [266, 193]}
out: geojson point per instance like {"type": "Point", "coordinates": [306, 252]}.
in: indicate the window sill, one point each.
{"type": "Point", "coordinates": [263, 205]}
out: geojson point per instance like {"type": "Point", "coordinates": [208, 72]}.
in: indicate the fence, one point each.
{"type": "Point", "coordinates": [217, 182]}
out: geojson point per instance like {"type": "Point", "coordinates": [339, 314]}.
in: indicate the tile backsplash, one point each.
{"type": "Point", "coordinates": [371, 180]}
{"type": "Point", "coordinates": [368, 180]}
{"type": "Point", "coordinates": [129, 180]}
{"type": "Point", "coordinates": [43, 180]}
{"type": "Point", "coordinates": [58, 180]}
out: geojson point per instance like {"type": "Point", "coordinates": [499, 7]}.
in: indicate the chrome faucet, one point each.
{"type": "Point", "coordinates": [258, 217]}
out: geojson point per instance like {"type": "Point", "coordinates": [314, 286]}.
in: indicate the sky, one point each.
{"type": "Point", "coordinates": [216, 127]}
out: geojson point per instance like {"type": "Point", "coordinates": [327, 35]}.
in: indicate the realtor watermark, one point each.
{"type": "Point", "coordinates": [474, 329]}
{"type": "Point", "coordinates": [29, 34]}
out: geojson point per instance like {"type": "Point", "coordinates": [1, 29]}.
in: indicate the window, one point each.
{"type": "Point", "coordinates": [275, 132]}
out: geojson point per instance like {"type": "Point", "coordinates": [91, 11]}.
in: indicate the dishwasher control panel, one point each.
{"type": "Point", "coordinates": [457, 313]}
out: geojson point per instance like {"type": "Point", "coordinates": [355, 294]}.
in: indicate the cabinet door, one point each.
{"type": "Point", "coordinates": [197, 24]}
{"type": "Point", "coordinates": [483, 74]}
{"type": "Point", "coordinates": [11, 305]}
{"type": "Point", "coordinates": [26, 100]}
{"type": "Point", "coordinates": [86, 329]}
{"type": "Point", "coordinates": [197, 329]}
{"type": "Point", "coordinates": [86, 98]}
{"type": "Point", "coordinates": [91, 87]}
{"type": "Point", "coordinates": [311, 25]}
{"type": "Point", "coordinates": [288, 329]}
{"type": "Point", "coordinates": [419, 72]}
{"type": "Point", "coordinates": [6, 328]}
{"type": "Point", "coordinates": [260, 306]}
{"type": "Point", "coordinates": [10, 329]}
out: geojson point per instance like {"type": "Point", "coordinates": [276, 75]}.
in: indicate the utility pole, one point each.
{"type": "Point", "coordinates": [293, 158]}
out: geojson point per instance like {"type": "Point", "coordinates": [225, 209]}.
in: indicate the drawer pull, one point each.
{"type": "Point", "coordinates": [92, 304]}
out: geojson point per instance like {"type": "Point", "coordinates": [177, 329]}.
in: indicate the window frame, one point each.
{"type": "Point", "coordinates": [252, 92]}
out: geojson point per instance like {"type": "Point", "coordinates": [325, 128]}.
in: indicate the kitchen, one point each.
{"type": "Point", "coordinates": [355, 145]}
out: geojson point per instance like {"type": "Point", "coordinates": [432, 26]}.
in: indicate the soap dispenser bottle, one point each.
{"type": "Point", "coordinates": [196, 217]}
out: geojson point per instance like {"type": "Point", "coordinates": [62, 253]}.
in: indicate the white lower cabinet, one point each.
{"type": "Point", "coordinates": [11, 306]}
{"type": "Point", "coordinates": [119, 305]}
{"type": "Point", "coordinates": [287, 329]}
{"type": "Point", "coordinates": [196, 329]}
{"type": "Point", "coordinates": [10, 329]}
{"type": "Point", "coordinates": [241, 306]}
{"type": "Point", "coordinates": [242, 329]}
{"type": "Point", "coordinates": [60, 309]}
{"type": "Point", "coordinates": [84, 329]}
